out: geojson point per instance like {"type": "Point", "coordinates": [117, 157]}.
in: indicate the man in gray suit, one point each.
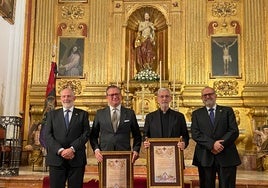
{"type": "Point", "coordinates": [108, 136]}
{"type": "Point", "coordinates": [66, 133]}
{"type": "Point", "coordinates": [214, 129]}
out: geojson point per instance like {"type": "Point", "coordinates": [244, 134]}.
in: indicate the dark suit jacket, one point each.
{"type": "Point", "coordinates": [57, 136]}
{"type": "Point", "coordinates": [205, 134]}
{"type": "Point", "coordinates": [102, 135]}
{"type": "Point", "coordinates": [153, 129]}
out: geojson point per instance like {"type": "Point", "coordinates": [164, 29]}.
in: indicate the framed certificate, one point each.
{"type": "Point", "coordinates": [116, 170]}
{"type": "Point", "coordinates": [164, 163]}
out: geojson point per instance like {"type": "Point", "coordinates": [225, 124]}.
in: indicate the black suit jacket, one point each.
{"type": "Point", "coordinates": [58, 136]}
{"type": "Point", "coordinates": [205, 134]}
{"type": "Point", "coordinates": [177, 126]}
{"type": "Point", "coordinates": [103, 137]}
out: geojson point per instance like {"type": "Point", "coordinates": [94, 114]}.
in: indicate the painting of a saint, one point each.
{"type": "Point", "coordinates": [71, 57]}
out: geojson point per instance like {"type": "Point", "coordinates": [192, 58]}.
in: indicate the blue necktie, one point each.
{"type": "Point", "coordinates": [66, 117]}
{"type": "Point", "coordinates": [211, 115]}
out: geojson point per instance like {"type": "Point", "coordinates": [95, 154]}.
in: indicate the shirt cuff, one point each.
{"type": "Point", "coordinates": [97, 150]}
{"type": "Point", "coordinates": [60, 150]}
{"type": "Point", "coordinates": [72, 149]}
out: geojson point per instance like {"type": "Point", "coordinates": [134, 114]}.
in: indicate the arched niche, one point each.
{"type": "Point", "coordinates": [161, 39]}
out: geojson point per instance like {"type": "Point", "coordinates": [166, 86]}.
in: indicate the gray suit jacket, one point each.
{"type": "Point", "coordinates": [103, 137]}
{"type": "Point", "coordinates": [58, 136]}
{"type": "Point", "coordinates": [205, 134]}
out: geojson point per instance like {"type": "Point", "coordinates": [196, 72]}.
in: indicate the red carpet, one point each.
{"type": "Point", "coordinates": [138, 183]}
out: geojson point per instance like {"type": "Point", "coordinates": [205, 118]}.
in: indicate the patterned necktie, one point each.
{"type": "Point", "coordinates": [66, 118]}
{"type": "Point", "coordinates": [114, 119]}
{"type": "Point", "coordinates": [211, 115]}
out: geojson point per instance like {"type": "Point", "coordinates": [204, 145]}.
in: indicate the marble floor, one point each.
{"type": "Point", "coordinates": [245, 178]}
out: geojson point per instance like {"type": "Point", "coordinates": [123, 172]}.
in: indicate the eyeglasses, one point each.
{"type": "Point", "coordinates": [164, 96]}
{"type": "Point", "coordinates": [208, 94]}
{"type": "Point", "coordinates": [113, 95]}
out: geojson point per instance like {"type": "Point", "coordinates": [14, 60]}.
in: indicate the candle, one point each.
{"type": "Point", "coordinates": [128, 67]}
{"type": "Point", "coordinates": [116, 74]}
{"type": "Point", "coordinates": [160, 74]}
{"type": "Point", "coordinates": [174, 82]}
{"type": "Point", "coordinates": [174, 79]}
{"type": "Point", "coordinates": [54, 53]}
{"type": "Point", "coordinates": [142, 103]}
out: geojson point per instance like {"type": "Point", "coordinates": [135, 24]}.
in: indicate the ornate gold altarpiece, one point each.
{"type": "Point", "coordinates": [185, 31]}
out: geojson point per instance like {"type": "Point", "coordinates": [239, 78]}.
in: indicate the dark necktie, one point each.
{"type": "Point", "coordinates": [211, 115]}
{"type": "Point", "coordinates": [66, 117]}
{"type": "Point", "coordinates": [114, 119]}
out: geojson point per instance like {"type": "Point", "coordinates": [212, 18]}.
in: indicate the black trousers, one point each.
{"type": "Point", "coordinates": [226, 176]}
{"type": "Point", "coordinates": [59, 175]}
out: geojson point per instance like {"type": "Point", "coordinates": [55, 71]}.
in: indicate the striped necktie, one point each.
{"type": "Point", "coordinates": [114, 119]}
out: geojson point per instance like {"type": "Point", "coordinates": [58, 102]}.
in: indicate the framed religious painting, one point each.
{"type": "Point", "coordinates": [116, 170]}
{"type": "Point", "coordinates": [7, 10]}
{"type": "Point", "coordinates": [164, 163]}
{"type": "Point", "coordinates": [225, 56]}
{"type": "Point", "coordinates": [71, 56]}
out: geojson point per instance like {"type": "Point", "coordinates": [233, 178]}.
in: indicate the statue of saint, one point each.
{"type": "Point", "coordinates": [145, 43]}
{"type": "Point", "coordinates": [261, 140]}
{"type": "Point", "coordinates": [34, 146]}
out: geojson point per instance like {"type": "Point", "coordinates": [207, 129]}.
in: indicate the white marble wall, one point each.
{"type": "Point", "coordinates": [11, 50]}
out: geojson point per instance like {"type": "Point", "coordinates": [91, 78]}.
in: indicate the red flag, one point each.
{"type": "Point", "coordinates": [50, 102]}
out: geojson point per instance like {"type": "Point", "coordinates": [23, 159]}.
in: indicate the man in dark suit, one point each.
{"type": "Point", "coordinates": [67, 131]}
{"type": "Point", "coordinates": [214, 129]}
{"type": "Point", "coordinates": [165, 122]}
{"type": "Point", "coordinates": [108, 136]}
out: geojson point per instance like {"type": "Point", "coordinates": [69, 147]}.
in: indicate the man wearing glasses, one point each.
{"type": "Point", "coordinates": [113, 127]}
{"type": "Point", "coordinates": [165, 122]}
{"type": "Point", "coordinates": [214, 129]}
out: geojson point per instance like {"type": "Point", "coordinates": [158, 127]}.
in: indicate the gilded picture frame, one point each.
{"type": "Point", "coordinates": [225, 56]}
{"type": "Point", "coordinates": [71, 57]}
{"type": "Point", "coordinates": [116, 169]}
{"type": "Point", "coordinates": [160, 171]}
{"type": "Point", "coordinates": [7, 10]}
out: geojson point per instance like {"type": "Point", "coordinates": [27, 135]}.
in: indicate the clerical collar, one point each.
{"type": "Point", "coordinates": [164, 112]}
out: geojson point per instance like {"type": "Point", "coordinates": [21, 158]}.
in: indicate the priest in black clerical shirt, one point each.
{"type": "Point", "coordinates": [165, 122]}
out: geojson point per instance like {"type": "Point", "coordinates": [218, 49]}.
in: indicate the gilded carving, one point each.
{"type": "Point", "coordinates": [236, 26]}
{"type": "Point", "coordinates": [224, 9]}
{"type": "Point", "coordinates": [74, 84]}
{"type": "Point", "coordinates": [226, 88]}
{"type": "Point", "coordinates": [72, 28]}
{"type": "Point", "coordinates": [72, 12]}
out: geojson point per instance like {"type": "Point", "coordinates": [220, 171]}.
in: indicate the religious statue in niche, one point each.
{"type": "Point", "coordinates": [37, 151]}
{"type": "Point", "coordinates": [261, 141]}
{"type": "Point", "coordinates": [146, 50]}
{"type": "Point", "coordinates": [145, 43]}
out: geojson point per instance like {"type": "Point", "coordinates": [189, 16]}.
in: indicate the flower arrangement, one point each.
{"type": "Point", "coordinates": [147, 75]}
